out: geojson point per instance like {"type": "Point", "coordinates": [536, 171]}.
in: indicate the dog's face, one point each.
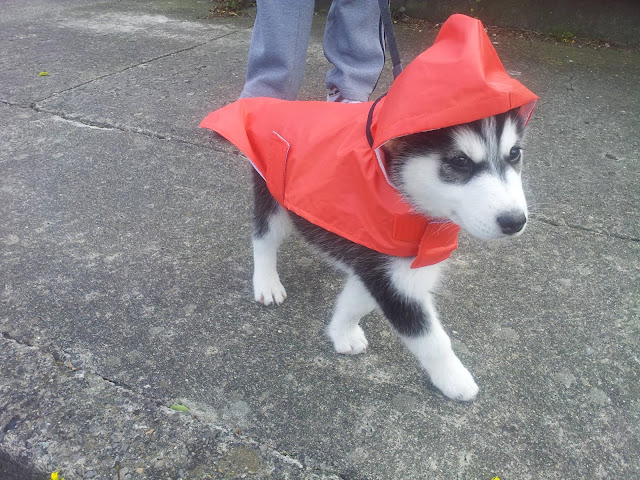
{"type": "Point", "coordinates": [469, 174]}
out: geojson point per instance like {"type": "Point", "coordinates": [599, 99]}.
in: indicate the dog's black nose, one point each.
{"type": "Point", "coordinates": [511, 222]}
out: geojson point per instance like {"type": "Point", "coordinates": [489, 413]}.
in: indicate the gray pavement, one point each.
{"type": "Point", "coordinates": [125, 276]}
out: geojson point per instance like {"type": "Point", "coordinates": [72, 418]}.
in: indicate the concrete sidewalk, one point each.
{"type": "Point", "coordinates": [125, 267]}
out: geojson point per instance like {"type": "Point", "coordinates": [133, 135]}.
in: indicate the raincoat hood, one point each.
{"type": "Point", "coordinates": [458, 80]}
{"type": "Point", "coordinates": [323, 160]}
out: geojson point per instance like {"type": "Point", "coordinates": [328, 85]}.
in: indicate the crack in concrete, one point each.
{"type": "Point", "coordinates": [83, 122]}
{"type": "Point", "coordinates": [13, 339]}
{"type": "Point", "coordinates": [575, 226]}
{"type": "Point", "coordinates": [13, 104]}
{"type": "Point", "coordinates": [146, 62]}
{"type": "Point", "coordinates": [65, 361]}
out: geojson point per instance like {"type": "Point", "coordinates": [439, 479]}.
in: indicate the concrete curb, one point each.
{"type": "Point", "coordinates": [55, 410]}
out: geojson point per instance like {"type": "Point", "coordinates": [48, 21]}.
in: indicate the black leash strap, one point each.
{"type": "Point", "coordinates": [385, 12]}
{"type": "Point", "coordinates": [370, 120]}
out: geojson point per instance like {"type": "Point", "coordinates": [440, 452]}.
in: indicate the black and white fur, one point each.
{"type": "Point", "coordinates": [469, 174]}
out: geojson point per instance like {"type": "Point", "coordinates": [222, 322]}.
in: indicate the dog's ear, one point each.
{"type": "Point", "coordinates": [517, 117]}
{"type": "Point", "coordinates": [391, 147]}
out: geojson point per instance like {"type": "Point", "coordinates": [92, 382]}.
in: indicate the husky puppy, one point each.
{"type": "Point", "coordinates": [468, 174]}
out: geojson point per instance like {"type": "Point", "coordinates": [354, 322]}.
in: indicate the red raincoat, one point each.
{"type": "Point", "coordinates": [323, 160]}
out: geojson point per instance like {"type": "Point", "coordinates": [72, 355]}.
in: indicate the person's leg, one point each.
{"type": "Point", "coordinates": [354, 44]}
{"type": "Point", "coordinates": [278, 49]}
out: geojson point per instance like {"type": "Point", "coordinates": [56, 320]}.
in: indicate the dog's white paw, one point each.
{"type": "Point", "coordinates": [348, 341]}
{"type": "Point", "coordinates": [268, 290]}
{"type": "Point", "coordinates": [454, 380]}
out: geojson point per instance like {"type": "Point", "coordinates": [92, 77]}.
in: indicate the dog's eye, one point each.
{"type": "Point", "coordinates": [514, 155]}
{"type": "Point", "coordinates": [461, 162]}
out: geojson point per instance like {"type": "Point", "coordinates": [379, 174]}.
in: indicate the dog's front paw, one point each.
{"type": "Point", "coordinates": [454, 380]}
{"type": "Point", "coordinates": [348, 341]}
{"type": "Point", "coordinates": [268, 290]}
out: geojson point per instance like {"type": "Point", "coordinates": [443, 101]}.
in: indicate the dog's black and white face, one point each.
{"type": "Point", "coordinates": [469, 174]}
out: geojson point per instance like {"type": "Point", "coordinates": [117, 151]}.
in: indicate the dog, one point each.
{"type": "Point", "coordinates": [469, 174]}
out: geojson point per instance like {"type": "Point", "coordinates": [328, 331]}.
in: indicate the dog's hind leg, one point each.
{"type": "Point", "coordinates": [271, 225]}
{"type": "Point", "coordinates": [403, 295]}
{"type": "Point", "coordinates": [354, 302]}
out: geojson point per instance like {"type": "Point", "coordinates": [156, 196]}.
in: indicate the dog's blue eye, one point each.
{"type": "Point", "coordinates": [461, 161]}
{"type": "Point", "coordinates": [514, 154]}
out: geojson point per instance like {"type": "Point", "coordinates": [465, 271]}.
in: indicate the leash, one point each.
{"type": "Point", "coordinates": [385, 13]}
{"type": "Point", "coordinates": [370, 120]}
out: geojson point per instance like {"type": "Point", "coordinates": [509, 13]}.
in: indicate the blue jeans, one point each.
{"type": "Point", "coordinates": [353, 43]}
